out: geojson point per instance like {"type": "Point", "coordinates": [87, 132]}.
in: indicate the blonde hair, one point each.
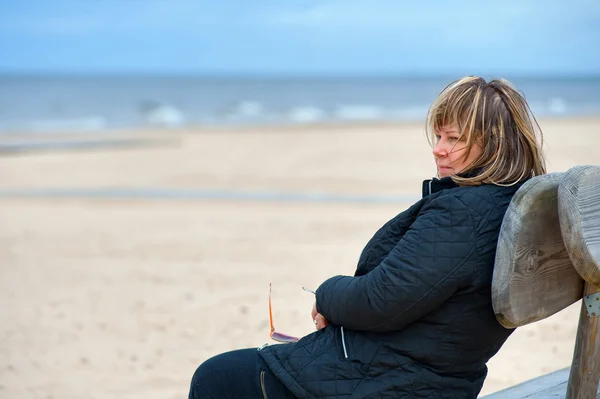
{"type": "Point", "coordinates": [497, 117]}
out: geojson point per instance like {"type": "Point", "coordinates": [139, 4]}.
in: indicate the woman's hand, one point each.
{"type": "Point", "coordinates": [319, 320]}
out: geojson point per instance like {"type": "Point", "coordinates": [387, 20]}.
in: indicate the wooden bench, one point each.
{"type": "Point", "coordinates": [548, 258]}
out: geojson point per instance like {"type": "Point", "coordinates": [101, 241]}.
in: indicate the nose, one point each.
{"type": "Point", "coordinates": [439, 150]}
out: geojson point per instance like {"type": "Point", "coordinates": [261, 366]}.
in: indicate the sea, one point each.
{"type": "Point", "coordinates": [101, 103]}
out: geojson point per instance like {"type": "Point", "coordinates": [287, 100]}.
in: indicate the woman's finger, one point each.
{"type": "Point", "coordinates": [320, 321]}
{"type": "Point", "coordinates": [314, 312]}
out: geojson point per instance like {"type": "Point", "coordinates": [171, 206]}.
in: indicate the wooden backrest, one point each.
{"type": "Point", "coordinates": [533, 274]}
{"type": "Point", "coordinates": [579, 213]}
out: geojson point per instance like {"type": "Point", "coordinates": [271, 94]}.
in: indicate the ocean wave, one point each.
{"type": "Point", "coordinates": [249, 108]}
{"type": "Point", "coordinates": [306, 114]}
{"type": "Point", "coordinates": [418, 112]}
{"type": "Point", "coordinates": [554, 106]}
{"type": "Point", "coordinates": [359, 112]}
{"type": "Point", "coordinates": [245, 109]}
{"type": "Point", "coordinates": [557, 105]}
{"type": "Point", "coordinates": [162, 115]}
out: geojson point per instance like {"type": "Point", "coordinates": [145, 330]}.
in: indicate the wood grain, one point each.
{"type": "Point", "coordinates": [533, 275]}
{"type": "Point", "coordinates": [552, 385]}
{"type": "Point", "coordinates": [579, 211]}
{"type": "Point", "coordinates": [585, 368]}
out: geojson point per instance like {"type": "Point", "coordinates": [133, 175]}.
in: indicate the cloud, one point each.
{"type": "Point", "coordinates": [390, 15]}
{"type": "Point", "coordinates": [446, 25]}
{"type": "Point", "coordinates": [406, 24]}
{"type": "Point", "coordinates": [495, 20]}
{"type": "Point", "coordinates": [303, 33]}
{"type": "Point", "coordinates": [110, 17]}
{"type": "Point", "coordinates": [472, 15]}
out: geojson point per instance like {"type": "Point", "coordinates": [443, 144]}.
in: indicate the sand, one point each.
{"type": "Point", "coordinates": [107, 297]}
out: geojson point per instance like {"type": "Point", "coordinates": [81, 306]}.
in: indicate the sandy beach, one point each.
{"type": "Point", "coordinates": [152, 257]}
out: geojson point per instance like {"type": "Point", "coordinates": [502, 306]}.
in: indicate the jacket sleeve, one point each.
{"type": "Point", "coordinates": [400, 223]}
{"type": "Point", "coordinates": [424, 269]}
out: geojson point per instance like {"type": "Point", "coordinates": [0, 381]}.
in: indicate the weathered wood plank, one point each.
{"type": "Point", "coordinates": [585, 368]}
{"type": "Point", "coordinates": [533, 274]}
{"type": "Point", "coordinates": [579, 212]}
{"type": "Point", "coordinates": [543, 384]}
{"type": "Point", "coordinates": [552, 385]}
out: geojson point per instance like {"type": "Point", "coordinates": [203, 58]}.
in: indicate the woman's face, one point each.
{"type": "Point", "coordinates": [449, 152]}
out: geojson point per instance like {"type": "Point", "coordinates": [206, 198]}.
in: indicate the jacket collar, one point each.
{"type": "Point", "coordinates": [434, 185]}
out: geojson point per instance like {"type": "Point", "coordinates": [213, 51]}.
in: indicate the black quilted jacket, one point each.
{"type": "Point", "coordinates": [416, 320]}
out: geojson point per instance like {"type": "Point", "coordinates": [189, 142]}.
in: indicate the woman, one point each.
{"type": "Point", "coordinates": [416, 319]}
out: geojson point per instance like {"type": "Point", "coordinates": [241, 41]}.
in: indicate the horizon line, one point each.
{"type": "Point", "coordinates": [298, 74]}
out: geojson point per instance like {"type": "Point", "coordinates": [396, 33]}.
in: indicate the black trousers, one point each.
{"type": "Point", "coordinates": [237, 374]}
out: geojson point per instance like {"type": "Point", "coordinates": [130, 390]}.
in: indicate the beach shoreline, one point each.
{"type": "Point", "coordinates": [113, 296]}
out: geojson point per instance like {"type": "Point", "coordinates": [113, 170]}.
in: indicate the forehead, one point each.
{"type": "Point", "coordinates": [448, 129]}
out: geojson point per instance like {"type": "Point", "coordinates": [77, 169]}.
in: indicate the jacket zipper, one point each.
{"type": "Point", "coordinates": [430, 181]}
{"type": "Point", "coordinates": [344, 343]}
{"type": "Point", "coordinates": [262, 384]}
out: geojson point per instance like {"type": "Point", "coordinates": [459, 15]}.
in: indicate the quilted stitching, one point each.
{"type": "Point", "coordinates": [417, 314]}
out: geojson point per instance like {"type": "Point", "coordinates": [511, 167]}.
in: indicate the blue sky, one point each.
{"type": "Point", "coordinates": [300, 36]}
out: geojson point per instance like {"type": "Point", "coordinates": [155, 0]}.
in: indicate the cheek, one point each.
{"type": "Point", "coordinates": [459, 158]}
{"type": "Point", "coordinates": [460, 161]}
{"type": "Point", "coordinates": [476, 152]}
